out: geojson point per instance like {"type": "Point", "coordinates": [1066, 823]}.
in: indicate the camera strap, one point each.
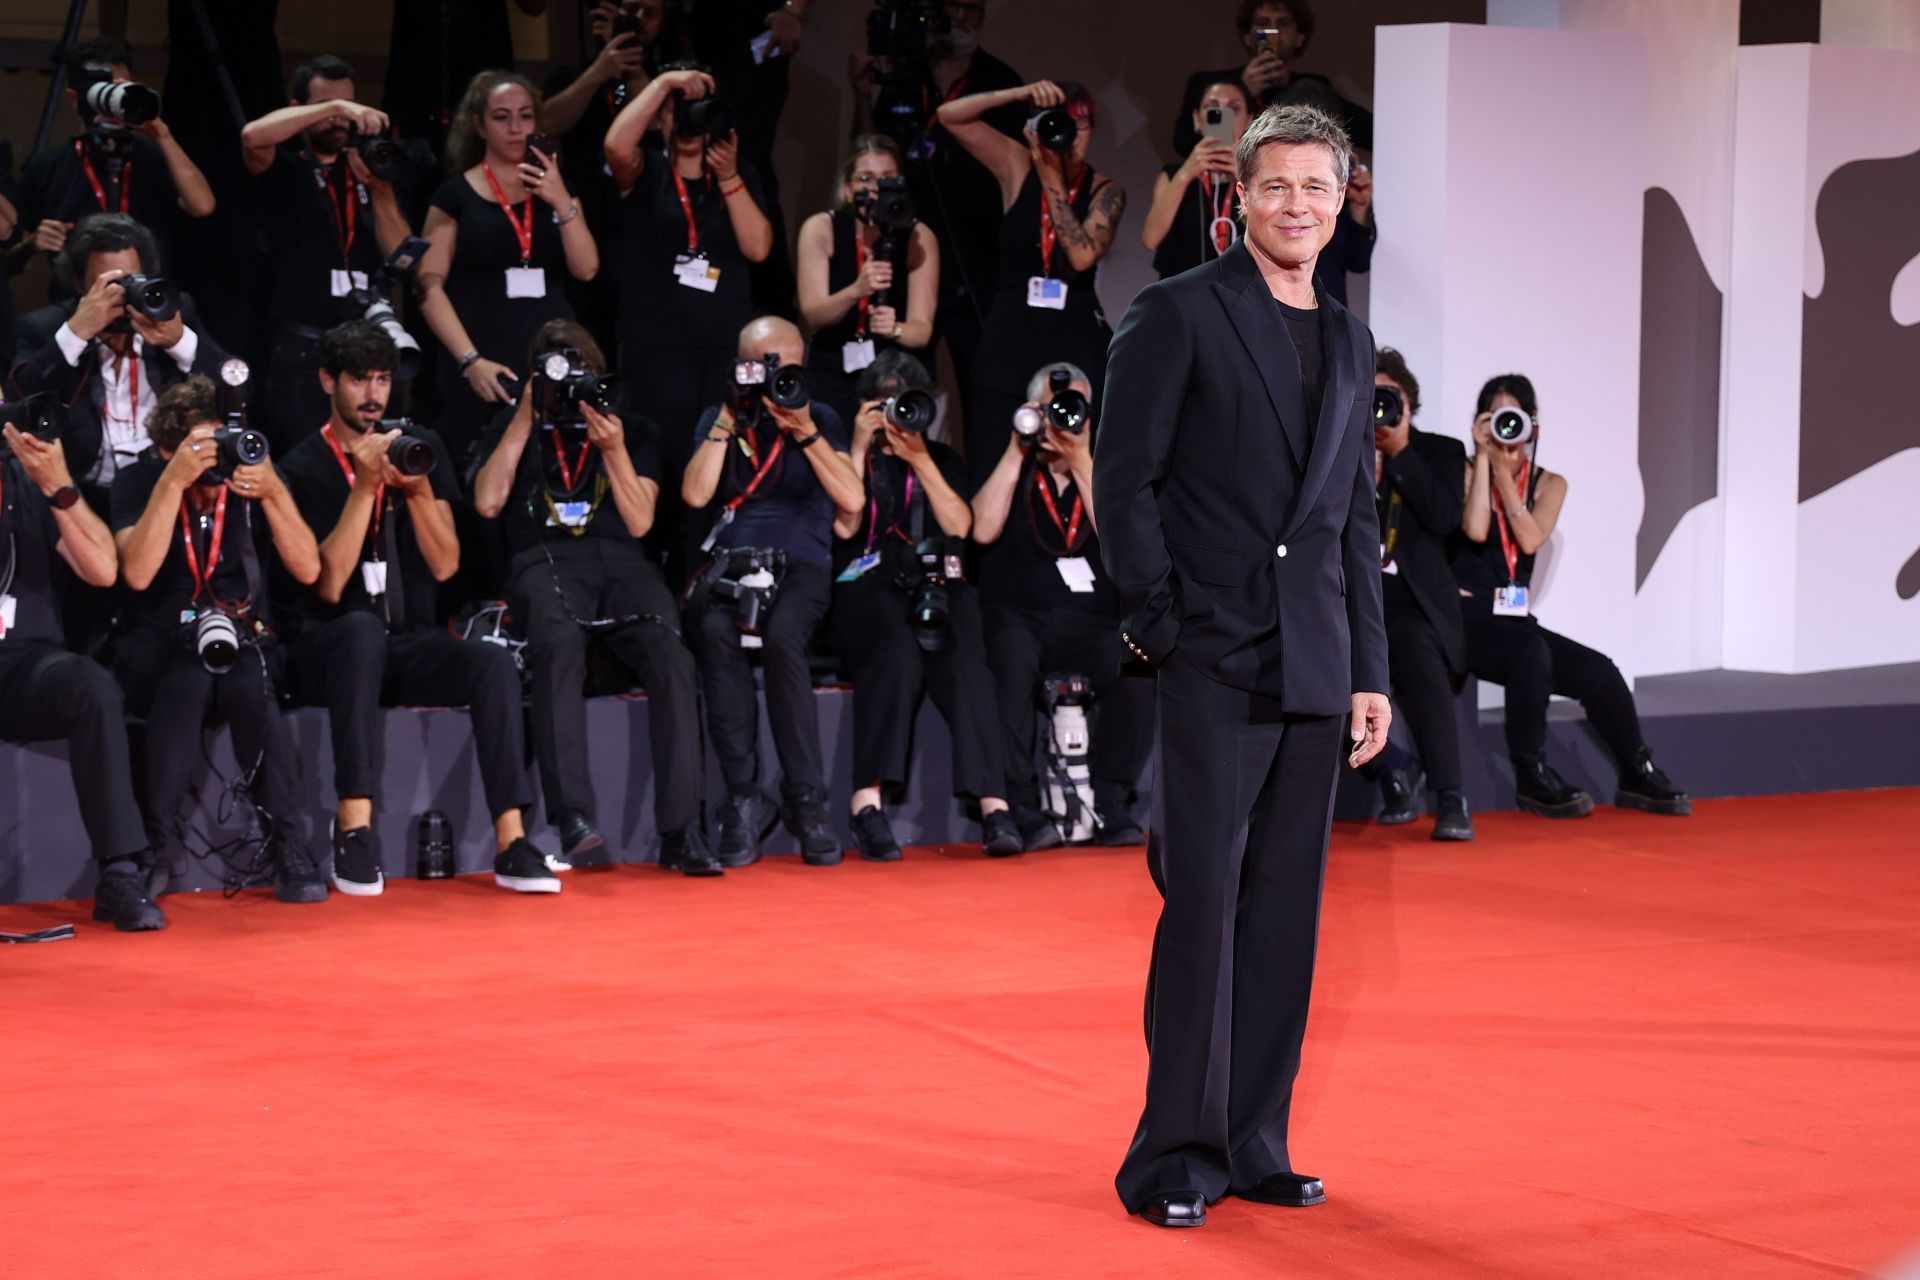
{"type": "Point", "coordinates": [873, 508]}
{"type": "Point", "coordinates": [1222, 228]}
{"type": "Point", "coordinates": [1047, 233]}
{"type": "Point", "coordinates": [522, 228]}
{"type": "Point", "coordinates": [760, 474]}
{"type": "Point", "coordinates": [865, 304]}
{"type": "Point", "coordinates": [570, 477]}
{"type": "Point", "coordinates": [686, 207]}
{"type": "Point", "coordinates": [346, 469]}
{"type": "Point", "coordinates": [1508, 546]}
{"type": "Point", "coordinates": [1070, 527]}
{"type": "Point", "coordinates": [340, 205]}
{"type": "Point", "coordinates": [203, 582]}
{"type": "Point", "coordinates": [125, 181]}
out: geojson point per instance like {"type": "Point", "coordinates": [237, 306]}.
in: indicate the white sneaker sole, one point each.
{"type": "Point", "coordinates": [558, 862]}
{"type": "Point", "coordinates": [527, 884]}
{"type": "Point", "coordinates": [354, 889]}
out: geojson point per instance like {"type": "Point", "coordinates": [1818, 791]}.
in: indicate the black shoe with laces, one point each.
{"type": "Point", "coordinates": [1451, 821]}
{"type": "Point", "coordinates": [999, 837]}
{"type": "Point", "coordinates": [1542, 791]}
{"type": "Point", "coordinates": [1645, 787]}
{"type": "Point", "coordinates": [806, 817]}
{"type": "Point", "coordinates": [744, 822]}
{"type": "Point", "coordinates": [1398, 805]}
{"type": "Point", "coordinates": [523, 869]}
{"type": "Point", "coordinates": [121, 900]}
{"type": "Point", "coordinates": [873, 835]}
{"type": "Point", "coordinates": [356, 863]}
{"type": "Point", "coordinates": [296, 876]}
{"type": "Point", "coordinates": [687, 852]}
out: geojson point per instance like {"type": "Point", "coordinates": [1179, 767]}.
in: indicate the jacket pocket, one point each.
{"type": "Point", "coordinates": [1209, 565]}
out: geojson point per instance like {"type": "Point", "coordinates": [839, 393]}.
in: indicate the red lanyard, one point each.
{"type": "Point", "coordinates": [1222, 201]}
{"type": "Point", "coordinates": [522, 231]}
{"type": "Point", "coordinates": [204, 582]}
{"type": "Point", "coordinates": [686, 207]}
{"type": "Point", "coordinates": [873, 515]}
{"type": "Point", "coordinates": [1069, 528]}
{"type": "Point", "coordinates": [1507, 543]}
{"type": "Point", "coordinates": [1047, 236]}
{"type": "Point", "coordinates": [859, 264]}
{"type": "Point", "coordinates": [346, 469]}
{"type": "Point", "coordinates": [568, 475]}
{"type": "Point", "coordinates": [343, 228]}
{"type": "Point", "coordinates": [131, 379]}
{"type": "Point", "coordinates": [760, 474]}
{"type": "Point", "coordinates": [93, 179]}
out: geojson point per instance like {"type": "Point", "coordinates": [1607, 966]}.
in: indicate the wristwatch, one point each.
{"type": "Point", "coordinates": [63, 497]}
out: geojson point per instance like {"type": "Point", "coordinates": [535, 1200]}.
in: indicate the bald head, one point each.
{"type": "Point", "coordinates": [769, 336]}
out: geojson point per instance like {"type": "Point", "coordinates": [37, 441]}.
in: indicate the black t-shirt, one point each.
{"type": "Point", "coordinates": [546, 493]}
{"type": "Point", "coordinates": [894, 494]}
{"type": "Point", "coordinates": [28, 538]}
{"type": "Point", "coordinates": [171, 591]}
{"type": "Point", "coordinates": [1020, 567]}
{"type": "Point", "coordinates": [320, 490]}
{"type": "Point", "coordinates": [1303, 326]}
{"type": "Point", "coordinates": [654, 306]}
{"type": "Point", "coordinates": [790, 510]}
{"type": "Point", "coordinates": [305, 226]}
{"type": "Point", "coordinates": [55, 183]}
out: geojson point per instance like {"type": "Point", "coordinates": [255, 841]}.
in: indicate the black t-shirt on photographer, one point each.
{"type": "Point", "coordinates": [543, 486]}
{"type": "Point", "coordinates": [1021, 567]}
{"type": "Point", "coordinates": [893, 494]}
{"type": "Point", "coordinates": [958, 196]}
{"type": "Point", "coordinates": [790, 510]}
{"type": "Point", "coordinates": [655, 308]}
{"type": "Point", "coordinates": [305, 226]}
{"type": "Point", "coordinates": [320, 489]}
{"type": "Point", "coordinates": [171, 592]}
{"type": "Point", "coordinates": [28, 538]}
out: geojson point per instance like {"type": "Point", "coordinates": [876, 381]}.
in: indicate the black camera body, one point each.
{"type": "Point", "coordinates": [912, 411]}
{"type": "Point", "coordinates": [789, 386]}
{"type": "Point", "coordinates": [380, 152]}
{"type": "Point", "coordinates": [409, 454]}
{"type": "Point", "coordinates": [561, 380]}
{"type": "Point", "coordinates": [38, 415]}
{"type": "Point", "coordinates": [234, 447]}
{"type": "Point", "coordinates": [888, 208]}
{"type": "Point", "coordinates": [747, 580]}
{"type": "Point", "coordinates": [942, 562]}
{"type": "Point", "coordinates": [375, 305]}
{"type": "Point", "coordinates": [710, 117]}
{"type": "Point", "coordinates": [1055, 129]}
{"type": "Point", "coordinates": [1388, 405]}
{"type": "Point", "coordinates": [154, 298]}
{"type": "Point", "coordinates": [1066, 410]}
{"type": "Point", "coordinates": [906, 29]}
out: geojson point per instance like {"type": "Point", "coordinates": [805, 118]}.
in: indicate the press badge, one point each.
{"type": "Point", "coordinates": [1076, 573]}
{"type": "Point", "coordinates": [695, 272]}
{"type": "Point", "coordinates": [9, 610]}
{"type": "Point", "coordinates": [1047, 294]}
{"type": "Point", "coordinates": [373, 576]}
{"type": "Point", "coordinates": [860, 567]}
{"type": "Point", "coordinates": [345, 282]}
{"type": "Point", "coordinates": [856, 355]}
{"type": "Point", "coordinates": [526, 282]}
{"type": "Point", "coordinates": [1510, 602]}
{"type": "Point", "coordinates": [573, 515]}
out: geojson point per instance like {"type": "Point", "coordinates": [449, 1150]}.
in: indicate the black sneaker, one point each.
{"type": "Point", "coordinates": [873, 834]}
{"type": "Point", "coordinates": [578, 838]}
{"type": "Point", "coordinates": [999, 837]}
{"type": "Point", "coordinates": [523, 869]}
{"type": "Point", "coordinates": [1645, 787]}
{"type": "Point", "coordinates": [807, 819]}
{"type": "Point", "coordinates": [686, 852]}
{"type": "Point", "coordinates": [744, 823]}
{"type": "Point", "coordinates": [296, 876]}
{"type": "Point", "coordinates": [1397, 803]}
{"type": "Point", "coordinates": [356, 863]}
{"type": "Point", "coordinates": [122, 901]}
{"type": "Point", "coordinates": [1451, 821]}
{"type": "Point", "coordinates": [1542, 791]}
{"type": "Point", "coordinates": [1037, 831]}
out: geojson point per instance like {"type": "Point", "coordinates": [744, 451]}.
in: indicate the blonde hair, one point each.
{"type": "Point", "coordinates": [867, 144]}
{"type": "Point", "coordinates": [465, 145]}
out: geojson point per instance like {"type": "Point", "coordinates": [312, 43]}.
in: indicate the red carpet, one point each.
{"type": "Point", "coordinates": [1622, 1047]}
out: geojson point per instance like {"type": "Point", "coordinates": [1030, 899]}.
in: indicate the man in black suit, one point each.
{"type": "Point", "coordinates": [1235, 481]}
{"type": "Point", "coordinates": [1420, 487]}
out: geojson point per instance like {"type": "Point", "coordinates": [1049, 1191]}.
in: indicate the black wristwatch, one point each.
{"type": "Point", "coordinates": [801, 444]}
{"type": "Point", "coordinates": [63, 497]}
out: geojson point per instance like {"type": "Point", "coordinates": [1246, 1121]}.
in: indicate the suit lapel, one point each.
{"type": "Point", "coordinates": [1336, 406]}
{"type": "Point", "coordinates": [1256, 319]}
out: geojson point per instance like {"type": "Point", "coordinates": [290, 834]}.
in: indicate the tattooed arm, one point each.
{"type": "Point", "coordinates": [1085, 242]}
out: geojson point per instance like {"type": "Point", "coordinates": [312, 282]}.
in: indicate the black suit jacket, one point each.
{"type": "Point", "coordinates": [1232, 527]}
{"type": "Point", "coordinates": [42, 367]}
{"type": "Point", "coordinates": [1430, 476]}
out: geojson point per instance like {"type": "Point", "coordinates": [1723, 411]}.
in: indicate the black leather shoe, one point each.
{"type": "Point", "coordinates": [873, 834]}
{"type": "Point", "coordinates": [296, 876]}
{"type": "Point", "coordinates": [806, 817]}
{"type": "Point", "coordinates": [1398, 805]}
{"type": "Point", "coordinates": [578, 838]}
{"type": "Point", "coordinates": [1037, 831]}
{"type": "Point", "coordinates": [1541, 791]}
{"type": "Point", "coordinates": [1451, 820]}
{"type": "Point", "coordinates": [1176, 1209]}
{"type": "Point", "coordinates": [1645, 787]}
{"type": "Point", "coordinates": [1117, 832]}
{"type": "Point", "coordinates": [744, 822]}
{"type": "Point", "coordinates": [122, 901]}
{"type": "Point", "coordinates": [1295, 1190]}
{"type": "Point", "coordinates": [686, 852]}
{"type": "Point", "coordinates": [999, 837]}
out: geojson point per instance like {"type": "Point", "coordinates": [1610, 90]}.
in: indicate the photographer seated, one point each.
{"type": "Point", "coordinates": [776, 466]}
{"type": "Point", "coordinates": [48, 694]}
{"type": "Point", "coordinates": [578, 484]}
{"type": "Point", "coordinates": [1419, 504]}
{"type": "Point", "coordinates": [328, 221]}
{"type": "Point", "coordinates": [905, 620]}
{"type": "Point", "coordinates": [379, 496]}
{"type": "Point", "coordinates": [196, 521]}
{"type": "Point", "coordinates": [1050, 607]}
{"type": "Point", "coordinates": [1512, 505]}
{"type": "Point", "coordinates": [1275, 34]}
{"type": "Point", "coordinates": [125, 161]}
{"type": "Point", "coordinates": [869, 274]}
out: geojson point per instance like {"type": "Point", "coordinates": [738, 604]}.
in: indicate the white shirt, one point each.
{"type": "Point", "coordinates": [123, 426]}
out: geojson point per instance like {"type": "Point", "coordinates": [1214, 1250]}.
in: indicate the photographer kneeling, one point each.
{"type": "Point", "coordinates": [579, 483]}
{"type": "Point", "coordinates": [905, 620]}
{"type": "Point", "coordinates": [196, 519]}
{"type": "Point", "coordinates": [370, 635]}
{"type": "Point", "coordinates": [1512, 506]}
{"type": "Point", "coordinates": [766, 584]}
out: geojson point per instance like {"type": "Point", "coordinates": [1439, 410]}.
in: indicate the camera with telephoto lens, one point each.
{"type": "Point", "coordinates": [106, 102]}
{"type": "Point", "coordinates": [941, 562]}
{"type": "Point", "coordinates": [789, 386]}
{"type": "Point", "coordinates": [409, 454]}
{"type": "Point", "coordinates": [1065, 410]}
{"type": "Point", "coordinates": [1055, 129]}
{"type": "Point", "coordinates": [380, 152]}
{"type": "Point", "coordinates": [1388, 405]}
{"type": "Point", "coordinates": [910, 411]}
{"type": "Point", "coordinates": [216, 639]}
{"type": "Point", "coordinates": [37, 415]}
{"type": "Point", "coordinates": [748, 580]}
{"type": "Point", "coordinates": [886, 207]}
{"type": "Point", "coordinates": [375, 305]}
{"type": "Point", "coordinates": [710, 117]}
{"type": "Point", "coordinates": [561, 379]}
{"type": "Point", "coordinates": [1511, 426]}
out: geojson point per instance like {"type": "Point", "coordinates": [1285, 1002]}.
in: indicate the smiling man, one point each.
{"type": "Point", "coordinates": [1234, 480]}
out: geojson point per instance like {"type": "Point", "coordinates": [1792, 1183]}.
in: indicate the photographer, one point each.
{"type": "Point", "coordinates": [1419, 505]}
{"type": "Point", "coordinates": [1275, 34]}
{"type": "Point", "coordinates": [1512, 506]}
{"type": "Point", "coordinates": [1191, 220]}
{"type": "Point", "coordinates": [108, 362]}
{"type": "Point", "coordinates": [773, 533]}
{"type": "Point", "coordinates": [195, 525]}
{"type": "Point", "coordinates": [492, 272]}
{"type": "Point", "coordinates": [869, 274]}
{"type": "Point", "coordinates": [328, 222]}
{"type": "Point", "coordinates": [902, 632]}
{"type": "Point", "coordinates": [1060, 221]}
{"type": "Point", "coordinates": [114, 165]}
{"type": "Point", "coordinates": [1050, 607]}
{"type": "Point", "coordinates": [369, 635]}
{"type": "Point", "coordinates": [48, 694]}
{"type": "Point", "coordinates": [578, 486]}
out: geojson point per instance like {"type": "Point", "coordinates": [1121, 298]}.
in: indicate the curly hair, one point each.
{"type": "Point", "coordinates": [465, 145]}
{"type": "Point", "coordinates": [180, 409]}
{"type": "Point", "coordinates": [1390, 362]}
{"type": "Point", "coordinates": [104, 233]}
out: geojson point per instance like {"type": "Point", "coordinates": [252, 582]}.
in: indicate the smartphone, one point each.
{"type": "Point", "coordinates": [406, 256]}
{"type": "Point", "coordinates": [545, 144]}
{"type": "Point", "coordinates": [1267, 37]}
{"type": "Point", "coordinates": [1217, 123]}
{"type": "Point", "coordinates": [625, 24]}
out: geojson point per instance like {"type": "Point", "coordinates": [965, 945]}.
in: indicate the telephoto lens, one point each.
{"type": "Point", "coordinates": [410, 455]}
{"type": "Point", "coordinates": [126, 102]}
{"type": "Point", "coordinates": [911, 411]}
{"type": "Point", "coordinates": [154, 297]}
{"type": "Point", "coordinates": [1512, 426]}
{"type": "Point", "coordinates": [1068, 411]}
{"type": "Point", "coordinates": [217, 641]}
{"type": "Point", "coordinates": [436, 847]}
{"type": "Point", "coordinates": [1055, 129]}
{"type": "Point", "coordinates": [1388, 405]}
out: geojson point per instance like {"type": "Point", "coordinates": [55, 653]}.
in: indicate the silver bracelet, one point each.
{"type": "Point", "coordinates": [573, 211]}
{"type": "Point", "coordinates": [468, 360]}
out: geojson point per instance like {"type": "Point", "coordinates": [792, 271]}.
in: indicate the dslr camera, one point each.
{"type": "Point", "coordinates": [374, 304]}
{"type": "Point", "coordinates": [561, 380]}
{"type": "Point", "coordinates": [37, 415]}
{"type": "Point", "coordinates": [1511, 426]}
{"type": "Point", "coordinates": [748, 579]}
{"type": "Point", "coordinates": [941, 562]}
{"type": "Point", "coordinates": [1388, 405]}
{"type": "Point", "coordinates": [409, 454]}
{"type": "Point", "coordinates": [789, 386]}
{"type": "Point", "coordinates": [1055, 129]}
{"type": "Point", "coordinates": [235, 444]}
{"type": "Point", "coordinates": [380, 152]}
{"type": "Point", "coordinates": [912, 411]}
{"type": "Point", "coordinates": [111, 106]}
{"type": "Point", "coordinates": [1066, 410]}
{"type": "Point", "coordinates": [710, 117]}
{"type": "Point", "coordinates": [887, 207]}
{"type": "Point", "coordinates": [154, 298]}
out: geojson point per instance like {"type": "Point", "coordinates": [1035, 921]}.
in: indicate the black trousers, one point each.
{"type": "Point", "coordinates": [601, 579]}
{"type": "Point", "coordinates": [1424, 687]}
{"type": "Point", "coordinates": [352, 667]}
{"type": "Point", "coordinates": [733, 709]}
{"type": "Point", "coordinates": [1533, 664]}
{"type": "Point", "coordinates": [1024, 645]}
{"type": "Point", "coordinates": [673, 385]}
{"type": "Point", "coordinates": [1242, 807]}
{"type": "Point", "coordinates": [891, 672]}
{"type": "Point", "coordinates": [47, 694]}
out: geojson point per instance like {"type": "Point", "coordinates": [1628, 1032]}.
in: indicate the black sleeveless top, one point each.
{"type": "Point", "coordinates": [840, 273]}
{"type": "Point", "coordinates": [1020, 338]}
{"type": "Point", "coordinates": [1189, 241]}
{"type": "Point", "coordinates": [1481, 567]}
